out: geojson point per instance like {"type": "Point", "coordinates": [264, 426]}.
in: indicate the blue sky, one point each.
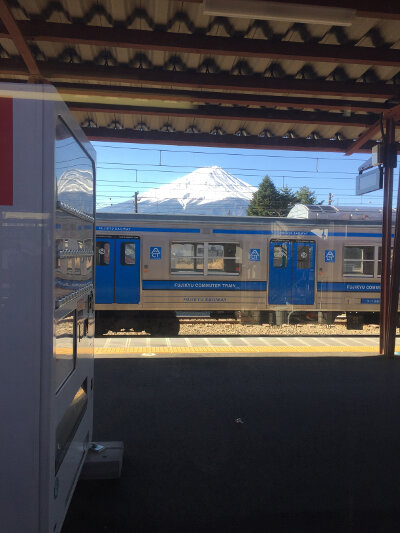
{"type": "Point", "coordinates": [125, 168]}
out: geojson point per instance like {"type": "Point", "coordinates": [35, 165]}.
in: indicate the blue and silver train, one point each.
{"type": "Point", "coordinates": [148, 267]}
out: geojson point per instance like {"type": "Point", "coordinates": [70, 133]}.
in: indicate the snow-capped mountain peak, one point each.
{"type": "Point", "coordinates": [206, 191]}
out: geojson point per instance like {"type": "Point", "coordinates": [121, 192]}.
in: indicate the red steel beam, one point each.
{"type": "Point", "coordinates": [232, 113]}
{"type": "Point", "coordinates": [224, 141]}
{"type": "Point", "coordinates": [212, 97]}
{"type": "Point", "coordinates": [386, 245]}
{"type": "Point", "coordinates": [393, 317]}
{"type": "Point", "coordinates": [205, 44]}
{"type": "Point", "coordinates": [15, 34]}
{"type": "Point", "coordinates": [81, 91]}
{"type": "Point", "coordinates": [198, 80]}
{"type": "Point", "coordinates": [393, 113]}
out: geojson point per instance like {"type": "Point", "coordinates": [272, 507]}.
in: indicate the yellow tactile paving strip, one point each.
{"type": "Point", "coordinates": [234, 350]}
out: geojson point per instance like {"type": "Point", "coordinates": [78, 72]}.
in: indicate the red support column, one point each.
{"type": "Point", "coordinates": [386, 242]}
{"type": "Point", "coordinates": [392, 318]}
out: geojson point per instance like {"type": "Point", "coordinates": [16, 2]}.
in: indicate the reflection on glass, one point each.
{"type": "Point", "coordinates": [102, 253]}
{"type": "Point", "coordinates": [223, 258]}
{"type": "Point", "coordinates": [303, 257]}
{"type": "Point", "coordinates": [65, 348]}
{"type": "Point", "coordinates": [280, 256]}
{"type": "Point", "coordinates": [358, 260]}
{"type": "Point", "coordinates": [187, 257]}
{"type": "Point", "coordinates": [74, 171]}
{"type": "Point", "coordinates": [128, 253]}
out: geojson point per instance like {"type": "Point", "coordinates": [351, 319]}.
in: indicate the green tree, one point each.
{"type": "Point", "coordinates": [306, 196]}
{"type": "Point", "coordinates": [268, 201]}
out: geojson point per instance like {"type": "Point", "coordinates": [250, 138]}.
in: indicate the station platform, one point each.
{"type": "Point", "coordinates": [245, 435]}
{"type": "Point", "coordinates": [141, 346]}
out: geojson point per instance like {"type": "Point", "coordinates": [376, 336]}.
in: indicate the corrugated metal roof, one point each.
{"type": "Point", "coordinates": [115, 63]}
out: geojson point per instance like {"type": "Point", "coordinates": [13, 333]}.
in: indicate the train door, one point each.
{"type": "Point", "coordinates": [291, 273]}
{"type": "Point", "coordinates": [105, 252]}
{"type": "Point", "coordinates": [117, 270]}
{"type": "Point", "coordinates": [127, 271]}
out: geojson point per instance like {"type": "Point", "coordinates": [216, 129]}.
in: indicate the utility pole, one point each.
{"type": "Point", "coordinates": [330, 196]}
{"type": "Point", "coordinates": [136, 201]}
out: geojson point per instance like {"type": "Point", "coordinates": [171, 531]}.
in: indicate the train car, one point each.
{"type": "Point", "coordinates": [150, 266]}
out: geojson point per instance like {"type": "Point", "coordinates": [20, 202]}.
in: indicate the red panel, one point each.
{"type": "Point", "coordinates": [6, 151]}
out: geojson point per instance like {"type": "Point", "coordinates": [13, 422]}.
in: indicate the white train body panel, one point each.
{"type": "Point", "coordinates": [46, 320]}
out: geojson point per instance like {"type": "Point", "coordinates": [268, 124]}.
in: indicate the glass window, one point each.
{"type": "Point", "coordinates": [187, 257]}
{"type": "Point", "coordinates": [280, 256]}
{"type": "Point", "coordinates": [128, 253]}
{"type": "Point", "coordinates": [303, 257]}
{"type": "Point", "coordinates": [358, 260]}
{"type": "Point", "coordinates": [223, 258]}
{"type": "Point", "coordinates": [77, 265]}
{"type": "Point", "coordinates": [74, 171]}
{"type": "Point", "coordinates": [65, 333]}
{"type": "Point", "coordinates": [102, 253]}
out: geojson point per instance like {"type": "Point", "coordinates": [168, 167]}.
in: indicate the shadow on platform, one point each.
{"type": "Point", "coordinates": [251, 444]}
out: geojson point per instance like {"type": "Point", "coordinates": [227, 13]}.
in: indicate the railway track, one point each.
{"type": "Point", "coordinates": [229, 327]}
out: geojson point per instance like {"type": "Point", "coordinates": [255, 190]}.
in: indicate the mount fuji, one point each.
{"type": "Point", "coordinates": [205, 191]}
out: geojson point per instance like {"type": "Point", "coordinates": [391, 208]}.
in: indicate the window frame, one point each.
{"type": "Point", "coordinates": [205, 271]}
{"type": "Point", "coordinates": [374, 261]}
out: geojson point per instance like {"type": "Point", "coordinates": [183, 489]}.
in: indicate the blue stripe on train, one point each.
{"type": "Point", "coordinates": [152, 230]}
{"type": "Point", "coordinates": [332, 286]}
{"type": "Point", "coordinates": [183, 285]}
{"type": "Point", "coordinates": [293, 233]}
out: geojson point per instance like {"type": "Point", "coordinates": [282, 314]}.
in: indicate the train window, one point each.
{"type": "Point", "coordinates": [187, 257]}
{"type": "Point", "coordinates": [358, 260]}
{"type": "Point", "coordinates": [128, 253]}
{"type": "Point", "coordinates": [102, 253]}
{"type": "Point", "coordinates": [223, 258]}
{"type": "Point", "coordinates": [280, 256]}
{"type": "Point", "coordinates": [303, 257]}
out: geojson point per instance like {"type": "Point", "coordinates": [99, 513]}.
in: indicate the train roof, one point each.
{"type": "Point", "coordinates": [331, 212]}
{"type": "Point", "coordinates": [129, 218]}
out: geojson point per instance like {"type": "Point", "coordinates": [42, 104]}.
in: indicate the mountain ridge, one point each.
{"type": "Point", "coordinates": [206, 191]}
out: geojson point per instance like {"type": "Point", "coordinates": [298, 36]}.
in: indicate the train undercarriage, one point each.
{"type": "Point", "coordinates": [167, 323]}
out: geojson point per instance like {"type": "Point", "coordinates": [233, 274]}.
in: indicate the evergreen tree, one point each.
{"type": "Point", "coordinates": [305, 196]}
{"type": "Point", "coordinates": [268, 201]}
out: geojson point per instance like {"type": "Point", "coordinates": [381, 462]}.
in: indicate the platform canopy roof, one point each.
{"type": "Point", "coordinates": [167, 71]}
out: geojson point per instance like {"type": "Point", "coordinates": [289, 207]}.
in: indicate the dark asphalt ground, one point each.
{"type": "Point", "coordinates": [318, 449]}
